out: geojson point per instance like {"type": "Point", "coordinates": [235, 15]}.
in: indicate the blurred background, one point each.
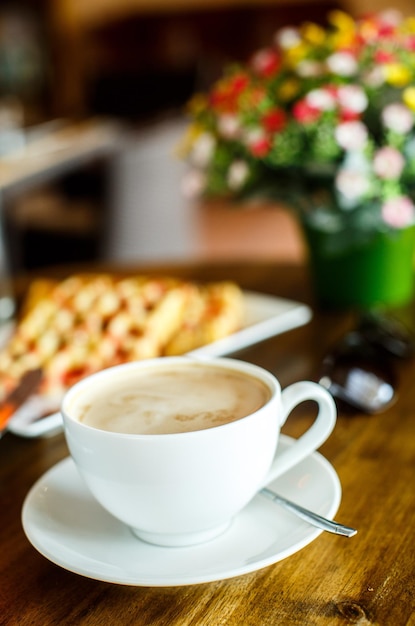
{"type": "Point", "coordinates": [92, 107]}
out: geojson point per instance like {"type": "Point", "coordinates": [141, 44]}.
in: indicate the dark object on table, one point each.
{"type": "Point", "coordinates": [360, 369]}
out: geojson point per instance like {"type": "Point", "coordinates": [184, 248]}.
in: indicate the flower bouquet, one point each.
{"type": "Point", "coordinates": [323, 118]}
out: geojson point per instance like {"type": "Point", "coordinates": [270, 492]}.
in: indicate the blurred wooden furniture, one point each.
{"type": "Point", "coordinates": [52, 151]}
{"type": "Point", "coordinates": [153, 220]}
{"type": "Point", "coordinates": [367, 579]}
{"type": "Point", "coordinates": [165, 35]}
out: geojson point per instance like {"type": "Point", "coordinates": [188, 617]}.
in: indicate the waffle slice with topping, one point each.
{"type": "Point", "coordinates": [89, 322]}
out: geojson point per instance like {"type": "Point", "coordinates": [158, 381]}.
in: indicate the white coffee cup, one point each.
{"type": "Point", "coordinates": [185, 488]}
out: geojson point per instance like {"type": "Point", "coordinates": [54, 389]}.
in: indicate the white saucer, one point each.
{"type": "Point", "coordinates": [67, 526]}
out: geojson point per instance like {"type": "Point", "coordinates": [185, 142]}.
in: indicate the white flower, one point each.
{"type": "Point", "coordinates": [399, 212]}
{"type": "Point", "coordinates": [351, 135]}
{"type": "Point", "coordinates": [287, 38]}
{"type": "Point", "coordinates": [374, 77]}
{"type": "Point", "coordinates": [193, 183]}
{"type": "Point", "coordinates": [202, 150]}
{"type": "Point", "coordinates": [237, 174]}
{"type": "Point", "coordinates": [352, 183]}
{"type": "Point", "coordinates": [398, 117]}
{"type": "Point", "coordinates": [309, 69]}
{"type": "Point", "coordinates": [388, 163]}
{"type": "Point", "coordinates": [229, 126]}
{"type": "Point", "coordinates": [254, 135]}
{"type": "Point", "coordinates": [352, 98]}
{"type": "Point", "coordinates": [342, 63]}
{"type": "Point", "coordinates": [321, 99]}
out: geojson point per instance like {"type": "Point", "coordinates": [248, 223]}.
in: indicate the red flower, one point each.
{"type": "Point", "coordinates": [266, 62]}
{"type": "Point", "coordinates": [304, 113]}
{"type": "Point", "coordinates": [274, 120]}
{"type": "Point", "coordinates": [261, 147]}
{"type": "Point", "coordinates": [346, 115]}
{"type": "Point", "coordinates": [410, 43]}
{"type": "Point", "coordinates": [333, 89]}
{"type": "Point", "coordinates": [386, 31]}
{"type": "Point", "coordinates": [226, 94]}
{"type": "Point", "coordinates": [258, 143]}
{"type": "Point", "coordinates": [383, 56]}
{"type": "Point", "coordinates": [255, 96]}
{"type": "Point", "coordinates": [238, 83]}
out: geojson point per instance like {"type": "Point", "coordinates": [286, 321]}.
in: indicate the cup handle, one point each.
{"type": "Point", "coordinates": [318, 432]}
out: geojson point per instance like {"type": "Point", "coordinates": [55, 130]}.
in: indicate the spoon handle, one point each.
{"type": "Point", "coordinates": [309, 516]}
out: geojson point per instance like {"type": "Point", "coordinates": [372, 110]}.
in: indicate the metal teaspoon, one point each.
{"type": "Point", "coordinates": [309, 516]}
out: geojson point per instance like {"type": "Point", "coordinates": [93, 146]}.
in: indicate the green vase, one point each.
{"type": "Point", "coordinates": [375, 272]}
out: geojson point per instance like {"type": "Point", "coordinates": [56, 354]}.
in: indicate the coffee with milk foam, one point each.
{"type": "Point", "coordinates": [171, 399]}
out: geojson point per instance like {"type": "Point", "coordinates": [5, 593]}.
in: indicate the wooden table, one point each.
{"type": "Point", "coordinates": [368, 579]}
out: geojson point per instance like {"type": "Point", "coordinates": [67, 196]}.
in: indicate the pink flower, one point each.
{"type": "Point", "coordinates": [391, 17]}
{"type": "Point", "coordinates": [398, 212]}
{"type": "Point", "coordinates": [351, 135]}
{"type": "Point", "coordinates": [388, 163]}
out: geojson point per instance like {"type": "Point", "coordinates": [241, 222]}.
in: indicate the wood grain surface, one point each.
{"type": "Point", "coordinates": [368, 579]}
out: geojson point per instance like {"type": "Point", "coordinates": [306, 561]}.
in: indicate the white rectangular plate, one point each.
{"type": "Point", "coordinates": [265, 316]}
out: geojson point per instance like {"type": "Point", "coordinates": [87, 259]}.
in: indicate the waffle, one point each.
{"type": "Point", "coordinates": [89, 322]}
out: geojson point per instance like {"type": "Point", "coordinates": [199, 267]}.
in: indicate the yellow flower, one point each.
{"type": "Point", "coordinates": [313, 33]}
{"type": "Point", "coordinates": [342, 21]}
{"type": "Point", "coordinates": [185, 146]}
{"type": "Point", "coordinates": [294, 55]}
{"type": "Point", "coordinates": [397, 74]}
{"type": "Point", "coordinates": [341, 40]}
{"type": "Point", "coordinates": [289, 89]}
{"type": "Point", "coordinates": [197, 104]}
{"type": "Point", "coordinates": [409, 25]}
{"type": "Point", "coordinates": [345, 30]}
{"type": "Point", "coordinates": [409, 97]}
